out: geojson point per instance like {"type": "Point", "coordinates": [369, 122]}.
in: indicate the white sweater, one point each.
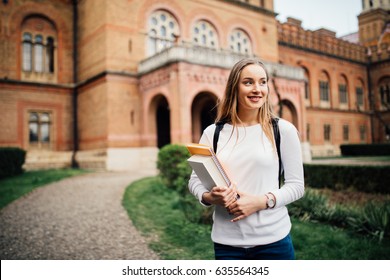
{"type": "Point", "coordinates": [252, 163]}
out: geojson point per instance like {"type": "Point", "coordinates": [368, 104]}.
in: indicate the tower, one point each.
{"type": "Point", "coordinates": [374, 22]}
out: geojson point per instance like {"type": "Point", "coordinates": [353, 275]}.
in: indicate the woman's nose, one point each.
{"type": "Point", "coordinates": [256, 87]}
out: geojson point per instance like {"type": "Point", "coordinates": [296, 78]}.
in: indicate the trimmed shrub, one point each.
{"type": "Point", "coordinates": [369, 179]}
{"type": "Point", "coordinates": [11, 161]}
{"type": "Point", "coordinates": [380, 149]}
{"type": "Point", "coordinates": [174, 170]}
{"type": "Point", "coordinates": [180, 183]}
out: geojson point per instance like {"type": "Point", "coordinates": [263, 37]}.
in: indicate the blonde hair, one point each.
{"type": "Point", "coordinates": [228, 106]}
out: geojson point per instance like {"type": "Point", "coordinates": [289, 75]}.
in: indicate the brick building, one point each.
{"type": "Point", "coordinates": [104, 84]}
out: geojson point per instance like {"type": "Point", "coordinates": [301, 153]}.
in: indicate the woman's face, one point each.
{"type": "Point", "coordinates": [252, 88]}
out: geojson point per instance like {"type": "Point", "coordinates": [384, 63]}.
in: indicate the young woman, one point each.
{"type": "Point", "coordinates": [251, 220]}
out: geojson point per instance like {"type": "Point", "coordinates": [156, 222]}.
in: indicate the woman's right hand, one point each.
{"type": "Point", "coordinates": [222, 196]}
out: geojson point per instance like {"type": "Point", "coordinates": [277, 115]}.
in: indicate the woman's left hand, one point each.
{"type": "Point", "coordinates": [246, 205]}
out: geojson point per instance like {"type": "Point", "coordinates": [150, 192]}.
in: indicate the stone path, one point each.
{"type": "Point", "coordinates": [79, 218]}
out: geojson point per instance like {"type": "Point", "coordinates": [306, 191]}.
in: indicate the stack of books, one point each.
{"type": "Point", "coordinates": [207, 167]}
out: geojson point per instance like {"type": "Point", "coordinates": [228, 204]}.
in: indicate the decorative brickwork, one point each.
{"type": "Point", "coordinates": [321, 41]}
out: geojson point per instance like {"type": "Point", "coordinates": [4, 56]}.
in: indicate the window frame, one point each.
{"type": "Point", "coordinates": [38, 54]}
{"type": "Point", "coordinates": [324, 91]}
{"type": "Point", "coordinates": [359, 96]}
{"type": "Point", "coordinates": [343, 94]}
{"type": "Point", "coordinates": [161, 21]}
{"type": "Point", "coordinates": [327, 133]}
{"type": "Point", "coordinates": [38, 49]}
{"type": "Point", "coordinates": [237, 46]}
{"type": "Point", "coordinates": [203, 38]}
{"type": "Point", "coordinates": [27, 55]}
{"type": "Point", "coordinates": [41, 126]}
{"type": "Point", "coordinates": [346, 132]}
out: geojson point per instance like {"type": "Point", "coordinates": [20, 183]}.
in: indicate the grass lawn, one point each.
{"type": "Point", "coordinates": [314, 241]}
{"type": "Point", "coordinates": [14, 187]}
{"type": "Point", "coordinates": [154, 210]}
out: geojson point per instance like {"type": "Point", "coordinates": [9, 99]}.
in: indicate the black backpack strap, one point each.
{"type": "Point", "coordinates": [275, 127]}
{"type": "Point", "coordinates": [218, 128]}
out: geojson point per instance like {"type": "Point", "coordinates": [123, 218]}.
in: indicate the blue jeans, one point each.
{"type": "Point", "coordinates": [279, 250]}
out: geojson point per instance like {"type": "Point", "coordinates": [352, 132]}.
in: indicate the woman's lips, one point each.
{"type": "Point", "coordinates": [254, 98]}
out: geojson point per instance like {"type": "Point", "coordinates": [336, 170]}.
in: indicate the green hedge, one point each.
{"type": "Point", "coordinates": [370, 179]}
{"type": "Point", "coordinates": [173, 167]}
{"type": "Point", "coordinates": [175, 173]}
{"type": "Point", "coordinates": [365, 149]}
{"type": "Point", "coordinates": [11, 161]}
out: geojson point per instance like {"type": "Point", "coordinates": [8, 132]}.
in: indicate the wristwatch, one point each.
{"type": "Point", "coordinates": [270, 201]}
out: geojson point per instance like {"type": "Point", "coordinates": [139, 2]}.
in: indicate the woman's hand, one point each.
{"type": "Point", "coordinates": [246, 205]}
{"type": "Point", "coordinates": [222, 196]}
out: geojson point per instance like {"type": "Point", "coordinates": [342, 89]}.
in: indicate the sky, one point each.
{"type": "Point", "coordinates": [339, 16]}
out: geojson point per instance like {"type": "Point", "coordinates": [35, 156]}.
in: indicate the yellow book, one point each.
{"type": "Point", "coordinates": [207, 166]}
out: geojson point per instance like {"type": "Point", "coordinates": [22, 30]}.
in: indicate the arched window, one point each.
{"type": "Point", "coordinates": [50, 54]}
{"type": "Point", "coordinates": [324, 88]}
{"type": "Point", "coordinates": [204, 34]}
{"type": "Point", "coordinates": [343, 91]}
{"type": "Point", "coordinates": [307, 85]}
{"type": "Point", "coordinates": [38, 54]}
{"type": "Point", "coordinates": [359, 95]}
{"type": "Point", "coordinates": [239, 42]}
{"type": "Point", "coordinates": [27, 52]}
{"type": "Point", "coordinates": [38, 48]}
{"type": "Point", "coordinates": [163, 30]}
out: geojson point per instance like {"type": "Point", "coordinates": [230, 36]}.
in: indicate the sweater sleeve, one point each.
{"type": "Point", "coordinates": [194, 184]}
{"type": "Point", "coordinates": [290, 148]}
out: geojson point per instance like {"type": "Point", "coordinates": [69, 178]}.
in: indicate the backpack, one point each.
{"type": "Point", "coordinates": [275, 126]}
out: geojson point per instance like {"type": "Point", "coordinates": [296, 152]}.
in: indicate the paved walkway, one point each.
{"type": "Point", "coordinates": [79, 218]}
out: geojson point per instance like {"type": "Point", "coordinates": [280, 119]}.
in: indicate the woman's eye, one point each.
{"type": "Point", "coordinates": [248, 83]}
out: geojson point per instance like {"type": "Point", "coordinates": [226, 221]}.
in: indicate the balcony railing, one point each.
{"type": "Point", "coordinates": [212, 58]}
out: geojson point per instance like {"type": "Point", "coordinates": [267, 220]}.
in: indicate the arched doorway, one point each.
{"type": "Point", "coordinates": [203, 112]}
{"type": "Point", "coordinates": [160, 120]}
{"type": "Point", "coordinates": [289, 112]}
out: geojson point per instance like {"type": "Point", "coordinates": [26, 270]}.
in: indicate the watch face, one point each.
{"type": "Point", "coordinates": [271, 203]}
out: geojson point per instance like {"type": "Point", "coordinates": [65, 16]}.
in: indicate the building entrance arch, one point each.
{"type": "Point", "coordinates": [289, 112]}
{"type": "Point", "coordinates": [203, 113]}
{"type": "Point", "coordinates": [160, 120]}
